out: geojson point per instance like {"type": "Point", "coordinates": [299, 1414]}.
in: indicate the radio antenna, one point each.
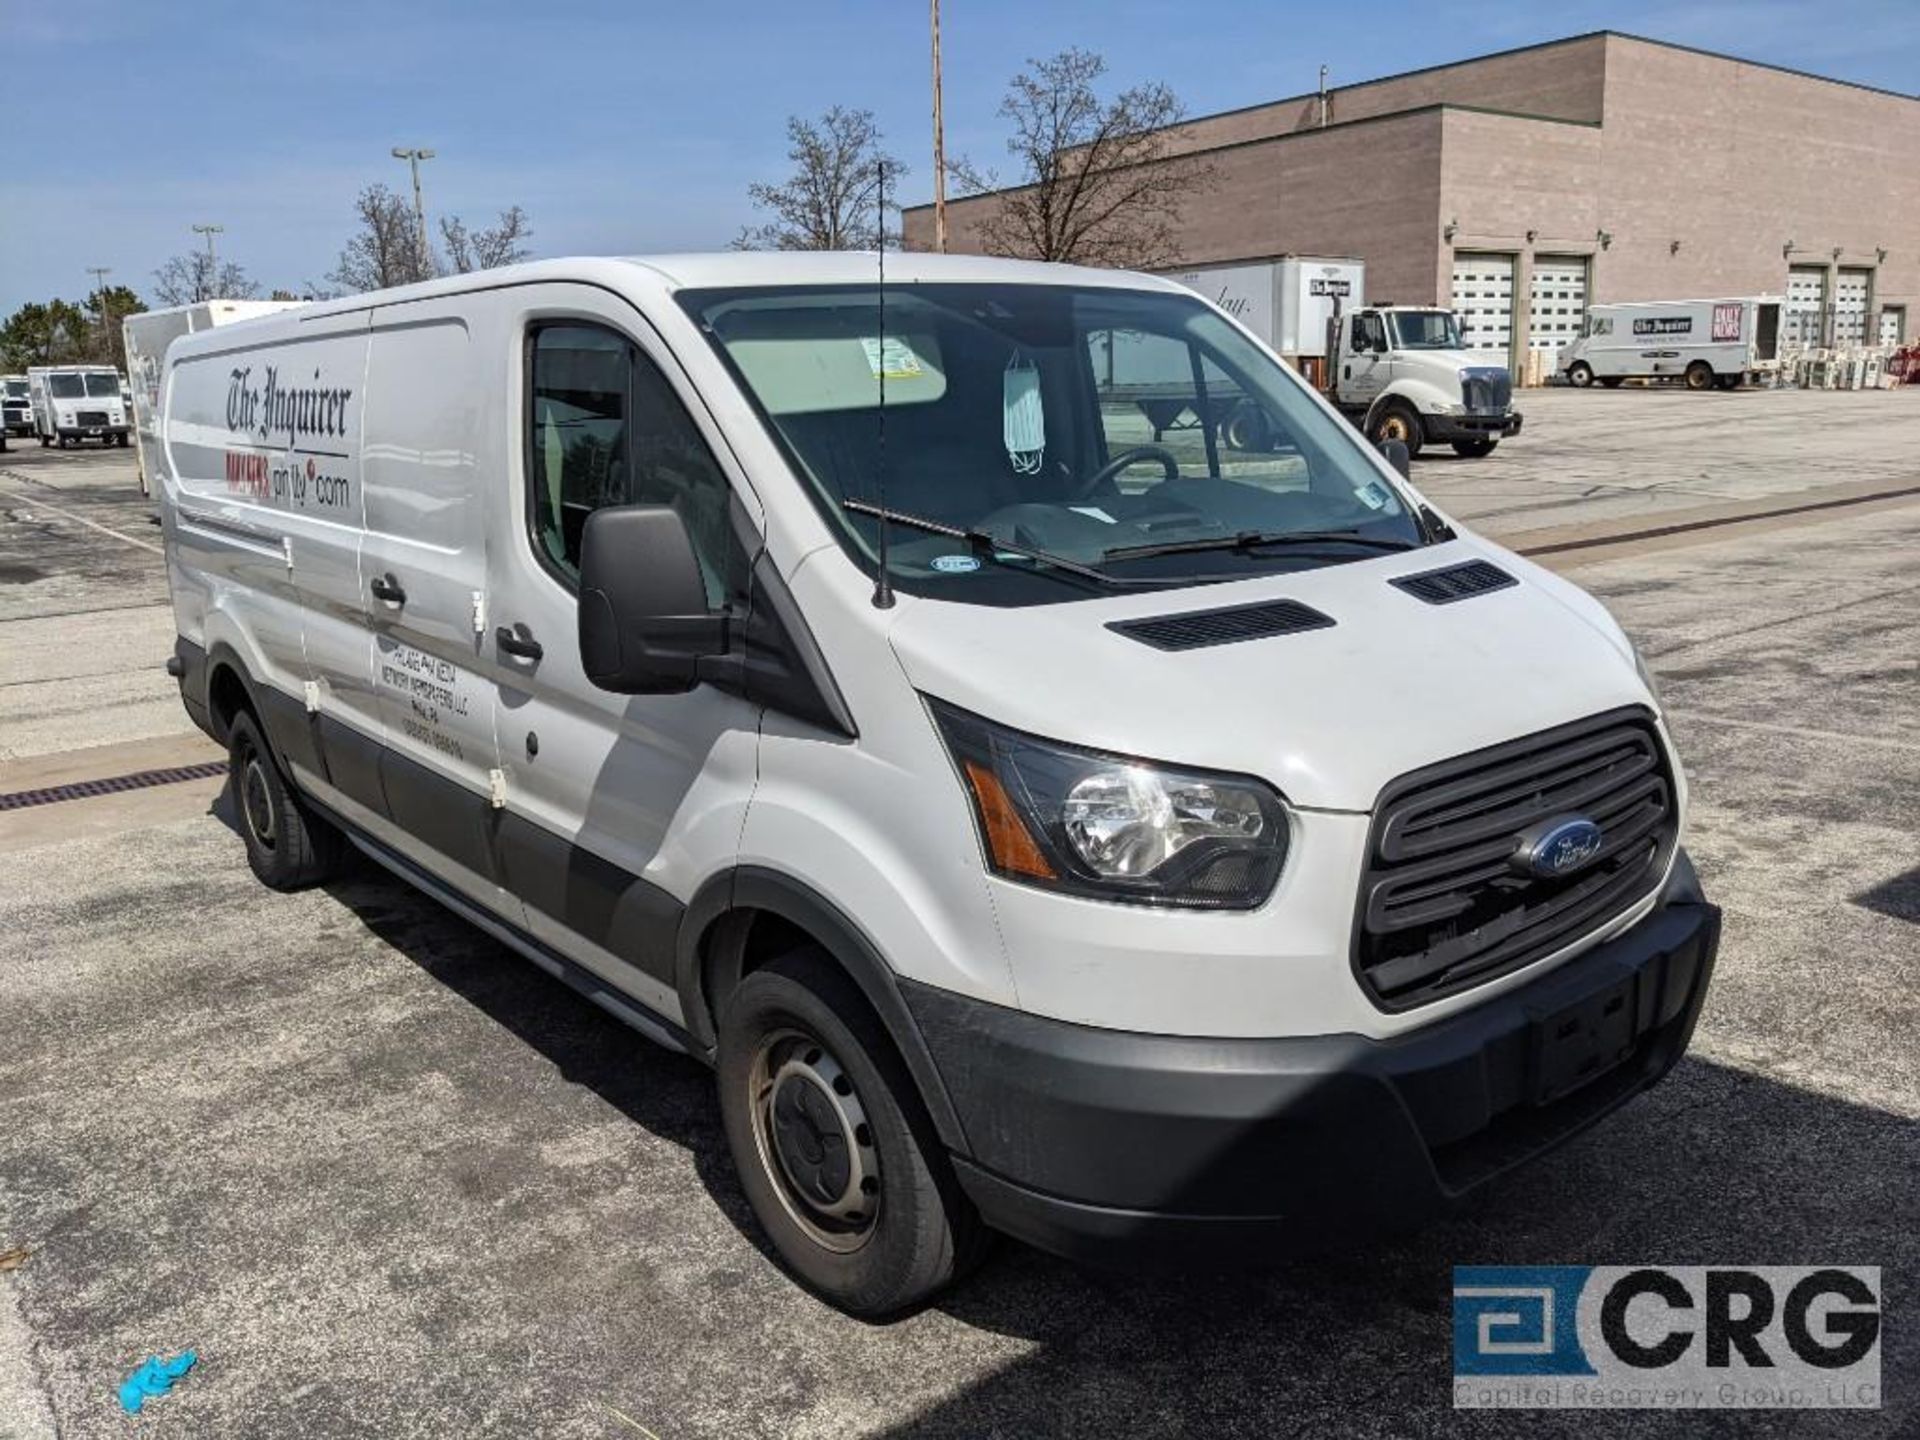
{"type": "Point", "coordinates": [882, 582]}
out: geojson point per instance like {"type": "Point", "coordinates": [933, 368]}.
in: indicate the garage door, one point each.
{"type": "Point", "coordinates": [1852, 291]}
{"type": "Point", "coordinates": [1556, 301]}
{"type": "Point", "coordinates": [1483, 299]}
{"type": "Point", "coordinates": [1806, 302]}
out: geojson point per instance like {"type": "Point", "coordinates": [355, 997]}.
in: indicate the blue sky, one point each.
{"type": "Point", "coordinates": [632, 127]}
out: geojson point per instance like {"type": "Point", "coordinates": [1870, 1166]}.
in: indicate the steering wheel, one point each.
{"type": "Point", "coordinates": [1130, 457]}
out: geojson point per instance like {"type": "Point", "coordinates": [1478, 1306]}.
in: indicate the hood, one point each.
{"type": "Point", "coordinates": [1328, 716]}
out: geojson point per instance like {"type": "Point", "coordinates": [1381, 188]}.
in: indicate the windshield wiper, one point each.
{"type": "Point", "coordinates": [1257, 540]}
{"type": "Point", "coordinates": [993, 546]}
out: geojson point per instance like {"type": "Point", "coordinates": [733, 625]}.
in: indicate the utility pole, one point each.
{"type": "Point", "coordinates": [213, 264]}
{"type": "Point", "coordinates": [939, 146]}
{"type": "Point", "coordinates": [413, 157]}
{"type": "Point", "coordinates": [100, 273]}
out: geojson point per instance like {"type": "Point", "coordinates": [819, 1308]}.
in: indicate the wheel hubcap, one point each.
{"type": "Point", "coordinates": [257, 800]}
{"type": "Point", "coordinates": [814, 1140]}
{"type": "Point", "coordinates": [1393, 428]}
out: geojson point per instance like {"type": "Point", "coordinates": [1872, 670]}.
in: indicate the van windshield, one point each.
{"type": "Point", "coordinates": [1424, 330]}
{"type": "Point", "coordinates": [66, 387]}
{"type": "Point", "coordinates": [16, 389]}
{"type": "Point", "coordinates": [1115, 429]}
{"type": "Point", "coordinates": [103, 387]}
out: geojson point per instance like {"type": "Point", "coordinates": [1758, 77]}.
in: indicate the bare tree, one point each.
{"type": "Point", "coordinates": [501, 244]}
{"type": "Point", "coordinates": [195, 276]}
{"type": "Point", "coordinates": [389, 248]}
{"type": "Point", "coordinates": [1097, 184]}
{"type": "Point", "coordinates": [834, 199]}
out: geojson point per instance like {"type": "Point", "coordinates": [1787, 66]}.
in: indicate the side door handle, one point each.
{"type": "Point", "coordinates": [518, 641]}
{"type": "Point", "coordinates": [386, 588]}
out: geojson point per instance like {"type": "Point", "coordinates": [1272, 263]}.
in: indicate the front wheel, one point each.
{"type": "Point", "coordinates": [833, 1146]}
{"type": "Point", "coordinates": [1473, 449]}
{"type": "Point", "coordinates": [1580, 374]}
{"type": "Point", "coordinates": [1397, 420]}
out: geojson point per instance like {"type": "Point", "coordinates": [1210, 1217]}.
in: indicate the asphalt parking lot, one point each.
{"type": "Point", "coordinates": [391, 1180]}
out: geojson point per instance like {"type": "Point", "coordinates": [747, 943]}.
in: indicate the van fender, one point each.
{"type": "Point", "coordinates": [753, 887]}
{"type": "Point", "coordinates": [289, 729]}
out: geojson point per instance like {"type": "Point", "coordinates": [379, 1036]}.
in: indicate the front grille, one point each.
{"type": "Point", "coordinates": [1487, 392]}
{"type": "Point", "coordinates": [1196, 628]}
{"type": "Point", "coordinates": [91, 417]}
{"type": "Point", "coordinates": [1442, 907]}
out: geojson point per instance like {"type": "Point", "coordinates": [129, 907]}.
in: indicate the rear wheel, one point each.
{"type": "Point", "coordinates": [1398, 420]}
{"type": "Point", "coordinates": [1727, 382]}
{"type": "Point", "coordinates": [1699, 375]}
{"type": "Point", "coordinates": [288, 847]}
{"type": "Point", "coordinates": [834, 1149]}
{"type": "Point", "coordinates": [1612, 382]}
{"type": "Point", "coordinates": [1473, 449]}
{"type": "Point", "coordinates": [1580, 374]}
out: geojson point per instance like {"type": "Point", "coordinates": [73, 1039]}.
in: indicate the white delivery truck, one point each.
{"type": "Point", "coordinates": [16, 407]}
{"type": "Point", "coordinates": [147, 336]}
{"type": "Point", "coordinates": [1035, 828]}
{"type": "Point", "coordinates": [1703, 343]}
{"type": "Point", "coordinates": [1400, 372]}
{"type": "Point", "coordinates": [72, 403]}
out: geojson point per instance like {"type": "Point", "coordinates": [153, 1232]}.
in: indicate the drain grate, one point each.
{"type": "Point", "coordinates": [113, 785]}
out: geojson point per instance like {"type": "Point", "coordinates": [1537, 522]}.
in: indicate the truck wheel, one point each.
{"type": "Point", "coordinates": [1612, 382]}
{"type": "Point", "coordinates": [288, 847]}
{"type": "Point", "coordinates": [1580, 374]}
{"type": "Point", "coordinates": [1699, 376]}
{"type": "Point", "coordinates": [1473, 449]}
{"type": "Point", "coordinates": [1727, 382]}
{"type": "Point", "coordinates": [1399, 421]}
{"type": "Point", "coordinates": [45, 441]}
{"type": "Point", "coordinates": [833, 1147]}
{"type": "Point", "coordinates": [1248, 429]}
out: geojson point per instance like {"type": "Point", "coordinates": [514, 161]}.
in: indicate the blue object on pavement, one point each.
{"type": "Point", "coordinates": [156, 1377]}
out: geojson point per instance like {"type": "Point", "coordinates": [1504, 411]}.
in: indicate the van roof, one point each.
{"type": "Point", "coordinates": [744, 268]}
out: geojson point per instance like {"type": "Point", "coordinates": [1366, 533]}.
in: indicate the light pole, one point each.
{"type": "Point", "coordinates": [213, 264]}
{"type": "Point", "coordinates": [413, 156]}
{"type": "Point", "coordinates": [939, 146]}
{"type": "Point", "coordinates": [100, 273]}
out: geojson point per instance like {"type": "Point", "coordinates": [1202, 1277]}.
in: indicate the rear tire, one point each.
{"type": "Point", "coordinates": [832, 1144]}
{"type": "Point", "coordinates": [1398, 420]}
{"type": "Point", "coordinates": [1727, 382]}
{"type": "Point", "coordinates": [1473, 449]}
{"type": "Point", "coordinates": [1580, 375]}
{"type": "Point", "coordinates": [1699, 376]}
{"type": "Point", "coordinates": [288, 846]}
{"type": "Point", "coordinates": [1612, 382]}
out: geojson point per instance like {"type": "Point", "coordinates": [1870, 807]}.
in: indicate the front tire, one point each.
{"type": "Point", "coordinates": [1580, 374]}
{"type": "Point", "coordinates": [833, 1146]}
{"type": "Point", "coordinates": [288, 847]}
{"type": "Point", "coordinates": [1398, 420]}
{"type": "Point", "coordinates": [1473, 449]}
{"type": "Point", "coordinates": [1699, 376]}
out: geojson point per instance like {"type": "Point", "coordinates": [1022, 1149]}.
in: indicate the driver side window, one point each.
{"type": "Point", "coordinates": [1369, 334]}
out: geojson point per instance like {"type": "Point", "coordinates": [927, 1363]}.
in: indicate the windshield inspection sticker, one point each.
{"type": "Point", "coordinates": [955, 564]}
{"type": "Point", "coordinates": [1373, 495]}
{"type": "Point", "coordinates": [892, 358]}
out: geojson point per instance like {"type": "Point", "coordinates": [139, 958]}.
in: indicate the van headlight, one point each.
{"type": "Point", "coordinates": [1113, 827]}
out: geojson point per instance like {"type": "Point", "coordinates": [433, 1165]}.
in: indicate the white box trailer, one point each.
{"type": "Point", "coordinates": [147, 336]}
{"type": "Point", "coordinates": [1285, 301]}
{"type": "Point", "coordinates": [1701, 342]}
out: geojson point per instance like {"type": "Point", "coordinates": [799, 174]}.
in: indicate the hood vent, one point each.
{"type": "Point", "coordinates": [1456, 582]}
{"type": "Point", "coordinates": [1198, 628]}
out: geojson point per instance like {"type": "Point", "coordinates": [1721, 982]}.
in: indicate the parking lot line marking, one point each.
{"type": "Point", "coordinates": [622, 1415]}
{"type": "Point", "coordinates": [90, 524]}
{"type": "Point", "coordinates": [1878, 742]}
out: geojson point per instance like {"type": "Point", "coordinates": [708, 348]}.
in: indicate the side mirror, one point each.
{"type": "Point", "coordinates": [644, 622]}
{"type": "Point", "coordinates": [1398, 458]}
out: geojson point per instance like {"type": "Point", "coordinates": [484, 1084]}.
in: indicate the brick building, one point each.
{"type": "Point", "coordinates": [1520, 186]}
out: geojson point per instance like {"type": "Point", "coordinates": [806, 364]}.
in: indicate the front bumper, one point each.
{"type": "Point", "coordinates": [1092, 1142]}
{"type": "Point", "coordinates": [91, 432]}
{"type": "Point", "coordinates": [1442, 428]}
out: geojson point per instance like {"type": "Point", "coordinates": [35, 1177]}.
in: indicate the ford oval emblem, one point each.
{"type": "Point", "coordinates": [1558, 846]}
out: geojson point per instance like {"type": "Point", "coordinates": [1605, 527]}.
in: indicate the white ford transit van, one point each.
{"type": "Point", "coordinates": [1038, 826]}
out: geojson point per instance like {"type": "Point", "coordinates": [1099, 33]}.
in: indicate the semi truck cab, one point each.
{"type": "Point", "coordinates": [1402, 372]}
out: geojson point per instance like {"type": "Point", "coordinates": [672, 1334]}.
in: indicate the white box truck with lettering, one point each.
{"type": "Point", "coordinates": [1702, 343]}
